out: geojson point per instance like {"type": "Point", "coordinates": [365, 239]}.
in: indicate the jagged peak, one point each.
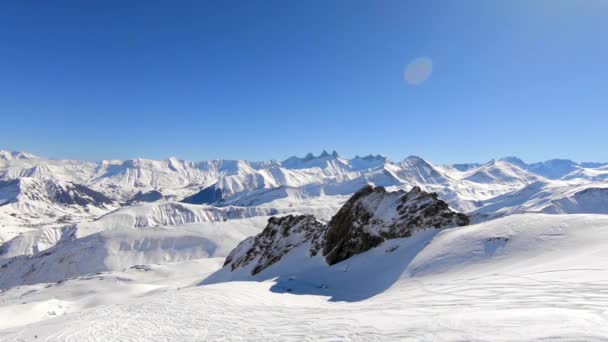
{"type": "Point", "coordinates": [415, 159]}
{"type": "Point", "coordinates": [310, 156]}
{"type": "Point", "coordinates": [374, 215]}
{"type": "Point", "coordinates": [281, 235]}
{"type": "Point", "coordinates": [310, 160]}
{"type": "Point", "coordinates": [371, 157]}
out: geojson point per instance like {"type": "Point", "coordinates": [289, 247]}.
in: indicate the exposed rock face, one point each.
{"type": "Point", "coordinates": [280, 236]}
{"type": "Point", "coordinates": [368, 218]}
{"type": "Point", "coordinates": [373, 215]}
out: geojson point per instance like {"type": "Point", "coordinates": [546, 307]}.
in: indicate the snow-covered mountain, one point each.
{"type": "Point", "coordinates": [42, 194]}
{"type": "Point", "coordinates": [550, 197]}
{"type": "Point", "coordinates": [36, 203]}
{"type": "Point", "coordinates": [224, 181]}
{"type": "Point", "coordinates": [367, 247]}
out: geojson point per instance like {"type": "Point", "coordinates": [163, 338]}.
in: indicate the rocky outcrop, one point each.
{"type": "Point", "coordinates": [280, 236]}
{"type": "Point", "coordinates": [373, 215]}
{"type": "Point", "coordinates": [368, 218]}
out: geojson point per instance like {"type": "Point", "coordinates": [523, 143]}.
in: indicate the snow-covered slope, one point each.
{"type": "Point", "coordinates": [115, 249]}
{"type": "Point", "coordinates": [555, 197]}
{"type": "Point", "coordinates": [105, 251]}
{"type": "Point", "coordinates": [38, 203]}
{"type": "Point", "coordinates": [519, 278]}
{"type": "Point", "coordinates": [26, 189]}
{"type": "Point", "coordinates": [513, 243]}
{"type": "Point", "coordinates": [139, 216]}
{"type": "Point", "coordinates": [501, 172]}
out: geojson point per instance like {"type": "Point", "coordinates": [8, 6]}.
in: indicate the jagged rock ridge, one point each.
{"type": "Point", "coordinates": [280, 236]}
{"type": "Point", "coordinates": [371, 216]}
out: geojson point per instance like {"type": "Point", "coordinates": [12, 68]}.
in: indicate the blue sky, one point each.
{"type": "Point", "coordinates": [269, 79]}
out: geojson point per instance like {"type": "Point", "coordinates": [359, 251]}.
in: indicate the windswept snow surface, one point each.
{"type": "Point", "coordinates": [114, 265]}
{"type": "Point", "coordinates": [518, 278]}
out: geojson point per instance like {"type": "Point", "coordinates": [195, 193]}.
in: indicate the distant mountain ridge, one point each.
{"type": "Point", "coordinates": [484, 190]}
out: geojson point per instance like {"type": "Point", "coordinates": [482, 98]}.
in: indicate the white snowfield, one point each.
{"type": "Point", "coordinates": [133, 251]}
{"type": "Point", "coordinates": [518, 278]}
{"type": "Point", "coordinates": [114, 265]}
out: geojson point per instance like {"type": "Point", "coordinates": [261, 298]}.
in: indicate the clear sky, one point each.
{"type": "Point", "coordinates": [269, 79]}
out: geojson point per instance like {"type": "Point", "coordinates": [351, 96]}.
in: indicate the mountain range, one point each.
{"type": "Point", "coordinates": [40, 197]}
{"type": "Point", "coordinates": [183, 242]}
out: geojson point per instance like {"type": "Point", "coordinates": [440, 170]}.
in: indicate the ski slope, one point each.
{"type": "Point", "coordinates": [518, 278]}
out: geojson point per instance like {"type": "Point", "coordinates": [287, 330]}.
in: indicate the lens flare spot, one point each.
{"type": "Point", "coordinates": [418, 71]}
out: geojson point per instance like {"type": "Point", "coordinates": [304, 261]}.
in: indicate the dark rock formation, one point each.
{"type": "Point", "coordinates": [373, 215]}
{"type": "Point", "coordinates": [368, 218]}
{"type": "Point", "coordinates": [280, 236]}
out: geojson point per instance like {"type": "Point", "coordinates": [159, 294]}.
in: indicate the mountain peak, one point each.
{"type": "Point", "coordinates": [326, 154]}
{"type": "Point", "coordinates": [310, 160]}
{"type": "Point", "coordinates": [515, 161]}
{"type": "Point", "coordinates": [416, 159]}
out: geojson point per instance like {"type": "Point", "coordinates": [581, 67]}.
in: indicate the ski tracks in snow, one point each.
{"type": "Point", "coordinates": [493, 307]}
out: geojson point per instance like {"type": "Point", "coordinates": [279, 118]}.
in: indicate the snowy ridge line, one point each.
{"type": "Point", "coordinates": [224, 182]}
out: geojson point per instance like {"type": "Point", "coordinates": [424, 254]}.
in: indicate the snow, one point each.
{"type": "Point", "coordinates": [245, 183]}
{"type": "Point", "coordinates": [111, 250]}
{"type": "Point", "coordinates": [552, 197]}
{"type": "Point", "coordinates": [113, 266]}
{"type": "Point", "coordinates": [451, 285]}
{"type": "Point", "coordinates": [94, 271]}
